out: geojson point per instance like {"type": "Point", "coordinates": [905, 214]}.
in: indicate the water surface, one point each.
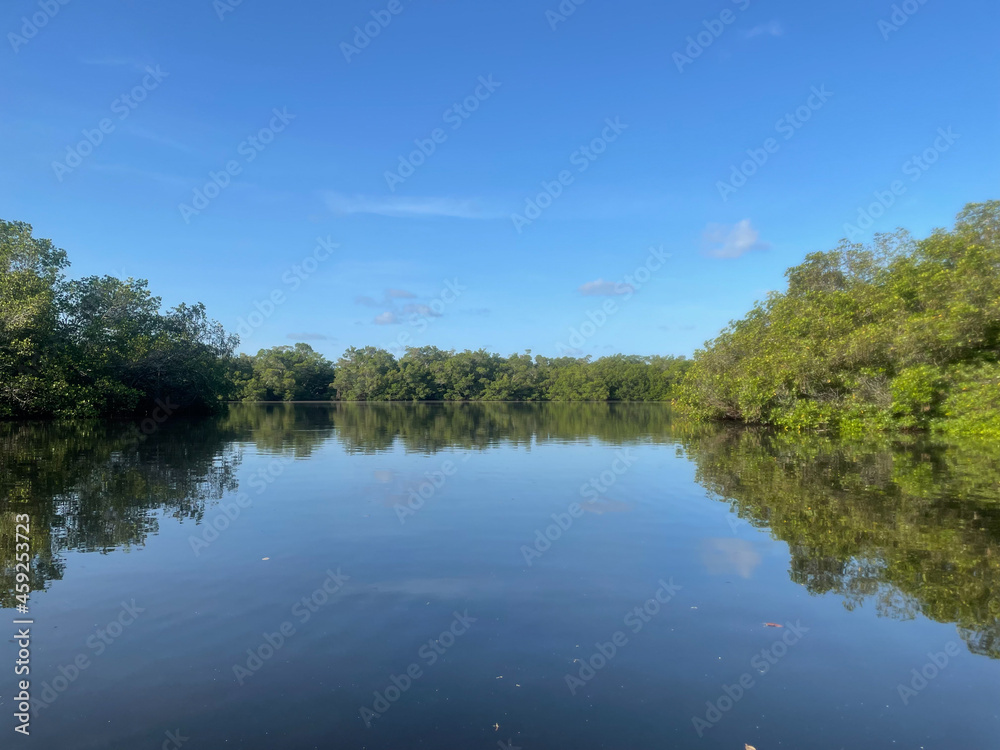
{"type": "Point", "coordinates": [458, 576]}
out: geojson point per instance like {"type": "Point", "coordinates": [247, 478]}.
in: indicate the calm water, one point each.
{"type": "Point", "coordinates": [461, 576]}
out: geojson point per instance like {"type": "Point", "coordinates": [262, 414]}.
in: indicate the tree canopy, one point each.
{"type": "Point", "coordinates": [431, 374]}
{"type": "Point", "coordinates": [98, 346]}
{"type": "Point", "coordinates": [283, 373]}
{"type": "Point", "coordinates": [899, 334]}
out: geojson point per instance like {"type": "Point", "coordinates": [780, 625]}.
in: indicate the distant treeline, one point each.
{"type": "Point", "coordinates": [427, 373]}
{"type": "Point", "coordinates": [101, 347]}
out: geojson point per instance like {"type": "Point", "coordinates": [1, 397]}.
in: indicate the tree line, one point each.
{"type": "Point", "coordinates": [297, 373]}
{"type": "Point", "coordinates": [102, 346]}
{"type": "Point", "coordinates": [900, 334]}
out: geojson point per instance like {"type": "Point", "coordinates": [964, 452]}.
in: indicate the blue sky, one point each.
{"type": "Point", "coordinates": [633, 115]}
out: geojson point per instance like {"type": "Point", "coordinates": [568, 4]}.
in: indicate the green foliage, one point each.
{"type": "Point", "coordinates": [98, 346]}
{"type": "Point", "coordinates": [917, 393]}
{"type": "Point", "coordinates": [368, 374]}
{"type": "Point", "coordinates": [284, 373]}
{"type": "Point", "coordinates": [430, 374]}
{"type": "Point", "coordinates": [30, 377]}
{"type": "Point", "coordinates": [888, 336]}
{"type": "Point", "coordinates": [577, 382]}
{"type": "Point", "coordinates": [972, 404]}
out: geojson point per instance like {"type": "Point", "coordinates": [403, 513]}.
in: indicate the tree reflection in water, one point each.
{"type": "Point", "coordinates": [906, 525]}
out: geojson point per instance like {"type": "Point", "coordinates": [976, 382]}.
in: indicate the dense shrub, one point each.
{"type": "Point", "coordinates": [900, 334]}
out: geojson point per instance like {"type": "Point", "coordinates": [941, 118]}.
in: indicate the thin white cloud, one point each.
{"type": "Point", "coordinates": [149, 135]}
{"type": "Point", "coordinates": [406, 208]}
{"type": "Point", "coordinates": [394, 310]}
{"type": "Point", "coordinates": [771, 28]}
{"type": "Point", "coordinates": [166, 180]}
{"type": "Point", "coordinates": [117, 62]}
{"type": "Point", "coordinates": [424, 310]}
{"type": "Point", "coordinates": [399, 294]}
{"type": "Point", "coordinates": [722, 241]}
{"type": "Point", "coordinates": [389, 298]}
{"type": "Point", "coordinates": [602, 288]}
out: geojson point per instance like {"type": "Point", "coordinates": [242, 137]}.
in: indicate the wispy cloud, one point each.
{"type": "Point", "coordinates": [722, 241]}
{"type": "Point", "coordinates": [399, 294]}
{"type": "Point", "coordinates": [424, 310]}
{"type": "Point", "coordinates": [149, 135]}
{"type": "Point", "coordinates": [116, 62]}
{"type": "Point", "coordinates": [407, 208]}
{"type": "Point", "coordinates": [389, 297]}
{"type": "Point", "coordinates": [771, 28]}
{"type": "Point", "coordinates": [602, 288]}
{"type": "Point", "coordinates": [167, 180]}
{"type": "Point", "coordinates": [310, 337]}
{"type": "Point", "coordinates": [395, 311]}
